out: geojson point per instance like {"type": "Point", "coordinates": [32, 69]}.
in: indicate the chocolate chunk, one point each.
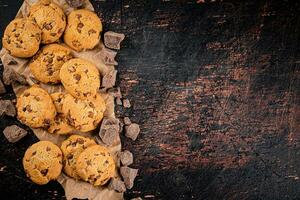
{"type": "Point", "coordinates": [14, 133]}
{"type": "Point", "coordinates": [132, 131]}
{"type": "Point", "coordinates": [2, 88]}
{"type": "Point", "coordinates": [127, 121]}
{"type": "Point", "coordinates": [118, 101]}
{"type": "Point", "coordinates": [126, 103]}
{"type": "Point", "coordinates": [117, 185]}
{"type": "Point", "coordinates": [128, 175]}
{"type": "Point", "coordinates": [126, 157]}
{"type": "Point", "coordinates": [10, 76]}
{"type": "Point", "coordinates": [77, 77]}
{"type": "Point", "coordinates": [44, 172]}
{"type": "Point", "coordinates": [109, 79]}
{"type": "Point", "coordinates": [92, 31]}
{"type": "Point", "coordinates": [115, 92]}
{"type": "Point", "coordinates": [108, 56]}
{"type": "Point", "coordinates": [113, 40]}
{"type": "Point", "coordinates": [75, 3]}
{"type": "Point", "coordinates": [47, 26]}
{"type": "Point", "coordinates": [7, 108]}
{"type": "Point", "coordinates": [109, 130]}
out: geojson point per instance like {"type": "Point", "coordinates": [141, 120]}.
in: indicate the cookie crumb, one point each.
{"type": "Point", "coordinates": [14, 133]}
{"type": "Point", "coordinates": [132, 131]}
{"type": "Point", "coordinates": [7, 108]}
{"type": "Point", "coordinates": [126, 103]}
{"type": "Point", "coordinates": [75, 3]}
{"type": "Point", "coordinates": [113, 40]}
{"type": "Point", "coordinates": [109, 130]}
{"type": "Point", "coordinates": [2, 88]}
{"type": "Point", "coordinates": [117, 185]}
{"type": "Point", "coordinates": [109, 79]}
{"type": "Point", "coordinates": [126, 158]}
{"type": "Point", "coordinates": [128, 175]}
{"type": "Point", "coordinates": [127, 121]}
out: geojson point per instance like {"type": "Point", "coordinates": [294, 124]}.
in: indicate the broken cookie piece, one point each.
{"type": "Point", "coordinates": [117, 185]}
{"type": "Point", "coordinates": [14, 133]}
{"type": "Point", "coordinates": [2, 88]}
{"type": "Point", "coordinates": [109, 130]}
{"type": "Point", "coordinates": [75, 3]}
{"type": "Point", "coordinates": [126, 158]}
{"type": "Point", "coordinates": [132, 131]}
{"type": "Point", "coordinates": [10, 76]}
{"type": "Point", "coordinates": [113, 40]}
{"type": "Point", "coordinates": [128, 175]}
{"type": "Point", "coordinates": [126, 103]}
{"type": "Point", "coordinates": [7, 108]}
{"type": "Point", "coordinates": [109, 79]}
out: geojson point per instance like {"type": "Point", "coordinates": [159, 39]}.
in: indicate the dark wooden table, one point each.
{"type": "Point", "coordinates": [215, 87]}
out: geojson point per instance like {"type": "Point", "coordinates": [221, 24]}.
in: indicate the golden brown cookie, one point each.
{"type": "Point", "coordinates": [46, 64]}
{"type": "Point", "coordinates": [95, 165]}
{"type": "Point", "coordinates": [80, 78]}
{"type": "Point", "coordinates": [22, 38]}
{"type": "Point", "coordinates": [58, 98]}
{"type": "Point", "coordinates": [84, 115]}
{"type": "Point", "coordinates": [50, 18]}
{"type": "Point", "coordinates": [35, 107]}
{"type": "Point", "coordinates": [72, 148]}
{"type": "Point", "coordinates": [83, 30]}
{"type": "Point", "coordinates": [60, 125]}
{"type": "Point", "coordinates": [42, 162]}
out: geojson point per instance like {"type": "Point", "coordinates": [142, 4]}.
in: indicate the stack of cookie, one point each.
{"type": "Point", "coordinates": [79, 108]}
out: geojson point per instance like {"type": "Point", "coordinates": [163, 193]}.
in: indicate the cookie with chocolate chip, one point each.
{"type": "Point", "coordinates": [22, 38]}
{"type": "Point", "coordinates": [60, 125]}
{"type": "Point", "coordinates": [50, 18]}
{"type": "Point", "coordinates": [80, 78]}
{"type": "Point", "coordinates": [83, 30]}
{"type": "Point", "coordinates": [83, 114]}
{"type": "Point", "coordinates": [42, 162]}
{"type": "Point", "coordinates": [46, 64]}
{"type": "Point", "coordinates": [71, 148]}
{"type": "Point", "coordinates": [35, 107]}
{"type": "Point", "coordinates": [95, 165]}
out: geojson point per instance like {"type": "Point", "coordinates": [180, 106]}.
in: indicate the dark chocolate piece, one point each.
{"type": "Point", "coordinates": [113, 40]}
{"type": "Point", "coordinates": [75, 3]}
{"type": "Point", "coordinates": [126, 157]}
{"type": "Point", "coordinates": [7, 108]}
{"type": "Point", "coordinates": [128, 175]}
{"type": "Point", "coordinates": [109, 130]}
{"type": "Point", "coordinates": [108, 56]}
{"type": "Point", "coordinates": [14, 133]}
{"type": "Point", "coordinates": [126, 103]}
{"type": "Point", "coordinates": [117, 185]}
{"type": "Point", "coordinates": [10, 76]}
{"type": "Point", "coordinates": [132, 131]}
{"type": "Point", "coordinates": [109, 79]}
{"type": "Point", "coordinates": [2, 88]}
{"type": "Point", "coordinates": [127, 121]}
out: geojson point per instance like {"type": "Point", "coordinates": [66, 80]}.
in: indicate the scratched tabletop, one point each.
{"type": "Point", "coordinates": [215, 87]}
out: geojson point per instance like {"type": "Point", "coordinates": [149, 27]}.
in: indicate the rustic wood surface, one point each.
{"type": "Point", "coordinates": [215, 87]}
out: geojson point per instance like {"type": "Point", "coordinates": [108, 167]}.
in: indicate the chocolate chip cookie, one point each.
{"type": "Point", "coordinates": [46, 64]}
{"type": "Point", "coordinates": [71, 148]}
{"type": "Point", "coordinates": [35, 107]}
{"type": "Point", "coordinates": [84, 115]}
{"type": "Point", "coordinates": [50, 18]}
{"type": "Point", "coordinates": [22, 38]}
{"type": "Point", "coordinates": [80, 78]}
{"type": "Point", "coordinates": [42, 162]}
{"type": "Point", "coordinates": [83, 30]}
{"type": "Point", "coordinates": [95, 165]}
{"type": "Point", "coordinates": [60, 125]}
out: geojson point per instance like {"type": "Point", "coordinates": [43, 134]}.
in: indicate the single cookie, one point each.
{"type": "Point", "coordinates": [60, 125]}
{"type": "Point", "coordinates": [50, 18]}
{"type": "Point", "coordinates": [72, 148]}
{"type": "Point", "coordinates": [83, 30]}
{"type": "Point", "coordinates": [58, 98]}
{"type": "Point", "coordinates": [80, 78]}
{"type": "Point", "coordinates": [46, 64]}
{"type": "Point", "coordinates": [84, 115]}
{"type": "Point", "coordinates": [95, 165]}
{"type": "Point", "coordinates": [35, 107]}
{"type": "Point", "coordinates": [42, 162]}
{"type": "Point", "coordinates": [22, 38]}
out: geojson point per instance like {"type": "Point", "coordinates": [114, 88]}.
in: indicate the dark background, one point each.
{"type": "Point", "coordinates": [215, 88]}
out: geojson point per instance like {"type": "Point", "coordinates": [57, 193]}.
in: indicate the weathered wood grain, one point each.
{"type": "Point", "coordinates": [215, 88]}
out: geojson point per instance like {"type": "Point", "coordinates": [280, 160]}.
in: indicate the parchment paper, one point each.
{"type": "Point", "coordinates": [73, 188]}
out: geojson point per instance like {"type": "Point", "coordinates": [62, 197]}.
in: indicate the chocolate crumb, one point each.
{"type": "Point", "coordinates": [132, 131]}
{"type": "Point", "coordinates": [75, 3]}
{"type": "Point", "coordinates": [14, 133]}
{"type": "Point", "coordinates": [117, 185]}
{"type": "Point", "coordinates": [126, 103]}
{"type": "Point", "coordinates": [127, 121]}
